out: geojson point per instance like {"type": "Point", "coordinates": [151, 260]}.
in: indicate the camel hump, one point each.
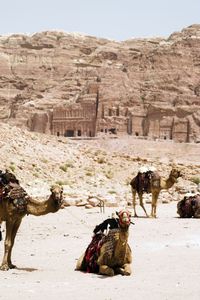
{"type": "Point", "coordinates": [155, 182]}
{"type": "Point", "coordinates": [17, 195]}
{"type": "Point", "coordinates": [146, 178]}
{"type": "Point", "coordinates": [15, 191]}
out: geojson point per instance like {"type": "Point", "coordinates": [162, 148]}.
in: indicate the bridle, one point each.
{"type": "Point", "coordinates": [124, 218]}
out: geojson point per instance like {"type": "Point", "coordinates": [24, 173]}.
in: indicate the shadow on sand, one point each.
{"type": "Point", "coordinates": [26, 269]}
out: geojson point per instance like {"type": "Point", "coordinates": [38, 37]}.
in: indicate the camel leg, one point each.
{"type": "Point", "coordinates": [13, 235]}
{"type": "Point", "coordinates": [7, 246]}
{"type": "Point", "coordinates": [142, 204]}
{"type": "Point", "coordinates": [134, 201]}
{"type": "Point", "coordinates": [154, 204]}
{"type": "Point", "coordinates": [124, 270]}
{"type": "Point", "coordinates": [106, 270]}
{"type": "Point", "coordinates": [79, 263]}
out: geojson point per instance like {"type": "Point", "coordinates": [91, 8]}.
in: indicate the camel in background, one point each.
{"type": "Point", "coordinates": [153, 183]}
{"type": "Point", "coordinates": [189, 206]}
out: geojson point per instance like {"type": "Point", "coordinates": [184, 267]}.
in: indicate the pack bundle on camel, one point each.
{"type": "Point", "coordinates": [109, 254]}
{"type": "Point", "coordinates": [189, 206]}
{"type": "Point", "coordinates": [149, 181]}
{"type": "Point", "coordinates": [15, 203]}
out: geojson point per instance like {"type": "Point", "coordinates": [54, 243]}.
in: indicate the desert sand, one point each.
{"type": "Point", "coordinates": [165, 250]}
{"type": "Point", "coordinates": [165, 258]}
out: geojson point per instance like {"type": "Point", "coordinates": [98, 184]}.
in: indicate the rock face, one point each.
{"type": "Point", "coordinates": [143, 87]}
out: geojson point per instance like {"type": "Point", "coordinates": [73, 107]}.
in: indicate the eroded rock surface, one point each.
{"type": "Point", "coordinates": [145, 87]}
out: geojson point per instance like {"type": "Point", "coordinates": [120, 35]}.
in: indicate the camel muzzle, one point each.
{"type": "Point", "coordinates": [58, 200]}
{"type": "Point", "coordinates": [124, 218]}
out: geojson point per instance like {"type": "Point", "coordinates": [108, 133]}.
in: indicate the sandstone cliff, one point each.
{"type": "Point", "coordinates": [147, 87]}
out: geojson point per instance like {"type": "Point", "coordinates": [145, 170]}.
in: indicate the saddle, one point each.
{"type": "Point", "coordinates": [17, 195]}
{"type": "Point", "coordinates": [92, 252]}
{"type": "Point", "coordinates": [11, 190]}
{"type": "Point", "coordinates": [7, 177]}
{"type": "Point", "coordinates": [146, 180]}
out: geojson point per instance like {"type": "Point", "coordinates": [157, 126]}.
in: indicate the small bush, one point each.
{"type": "Point", "coordinates": [112, 192]}
{"type": "Point", "coordinates": [63, 182]}
{"type": "Point", "coordinates": [101, 160]}
{"type": "Point", "coordinates": [67, 165]}
{"type": "Point", "coordinates": [45, 161]}
{"type": "Point", "coordinates": [36, 175]}
{"type": "Point", "coordinates": [64, 168]}
{"type": "Point", "coordinates": [88, 173]}
{"type": "Point", "coordinates": [109, 174]}
{"type": "Point", "coordinates": [195, 180]}
{"type": "Point", "coordinates": [12, 167]}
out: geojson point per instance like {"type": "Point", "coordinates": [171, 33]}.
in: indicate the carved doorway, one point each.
{"type": "Point", "coordinates": [69, 133]}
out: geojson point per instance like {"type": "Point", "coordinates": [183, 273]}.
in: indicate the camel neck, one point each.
{"type": "Point", "coordinates": [39, 208]}
{"type": "Point", "coordinates": [120, 250]}
{"type": "Point", "coordinates": [170, 181]}
{"type": "Point", "coordinates": [123, 234]}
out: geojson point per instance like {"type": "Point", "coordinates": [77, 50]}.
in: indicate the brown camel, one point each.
{"type": "Point", "coordinates": [151, 182]}
{"type": "Point", "coordinates": [111, 254]}
{"type": "Point", "coordinates": [189, 206]}
{"type": "Point", "coordinates": [14, 205]}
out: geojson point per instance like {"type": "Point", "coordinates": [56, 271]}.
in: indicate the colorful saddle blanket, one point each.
{"type": "Point", "coordinates": [89, 264]}
{"type": "Point", "coordinates": [146, 180]}
{"type": "Point", "coordinates": [92, 252]}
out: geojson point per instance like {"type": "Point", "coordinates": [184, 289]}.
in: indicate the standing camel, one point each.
{"type": "Point", "coordinates": [109, 254]}
{"type": "Point", "coordinates": [153, 185]}
{"type": "Point", "coordinates": [14, 205]}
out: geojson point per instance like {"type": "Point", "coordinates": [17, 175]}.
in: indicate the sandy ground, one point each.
{"type": "Point", "coordinates": [166, 255]}
{"type": "Point", "coordinates": [162, 151]}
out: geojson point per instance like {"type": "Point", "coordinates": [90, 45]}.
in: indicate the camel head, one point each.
{"type": "Point", "coordinates": [124, 218]}
{"type": "Point", "coordinates": [57, 195]}
{"type": "Point", "coordinates": [175, 174]}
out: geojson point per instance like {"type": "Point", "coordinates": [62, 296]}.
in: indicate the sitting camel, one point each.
{"type": "Point", "coordinates": [15, 204]}
{"type": "Point", "coordinates": [150, 182]}
{"type": "Point", "coordinates": [189, 206]}
{"type": "Point", "coordinates": [109, 254]}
